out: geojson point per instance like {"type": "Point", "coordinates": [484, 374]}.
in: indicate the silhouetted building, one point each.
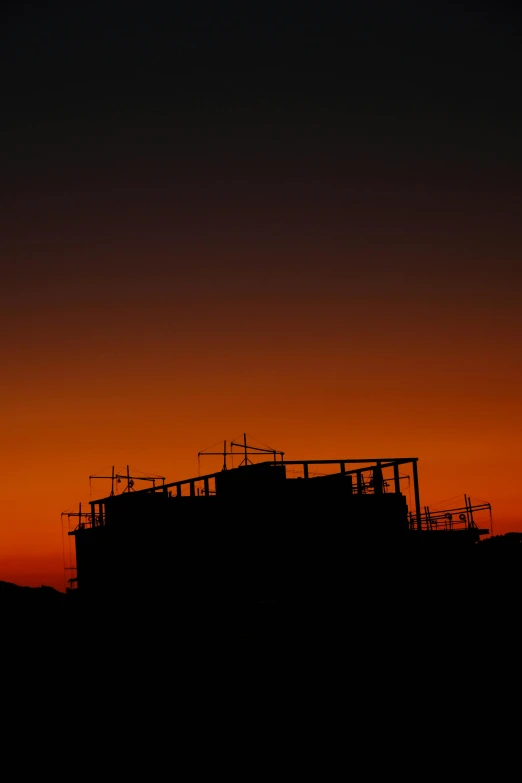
{"type": "Point", "coordinates": [272, 530]}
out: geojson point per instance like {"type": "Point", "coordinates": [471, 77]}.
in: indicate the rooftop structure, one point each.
{"type": "Point", "coordinates": [268, 528]}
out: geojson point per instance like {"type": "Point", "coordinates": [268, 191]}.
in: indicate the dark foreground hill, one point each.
{"type": "Point", "coordinates": [423, 600]}
{"type": "Point", "coordinates": [30, 601]}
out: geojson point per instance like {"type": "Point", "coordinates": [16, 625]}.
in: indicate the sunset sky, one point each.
{"type": "Point", "coordinates": [296, 222]}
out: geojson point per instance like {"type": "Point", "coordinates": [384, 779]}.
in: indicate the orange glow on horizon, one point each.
{"type": "Point", "coordinates": [319, 246]}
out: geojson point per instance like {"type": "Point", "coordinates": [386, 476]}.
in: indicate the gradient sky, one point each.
{"type": "Point", "coordinates": [300, 224]}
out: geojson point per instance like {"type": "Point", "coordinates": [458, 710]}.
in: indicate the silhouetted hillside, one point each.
{"type": "Point", "coordinates": [459, 598]}
{"type": "Point", "coordinates": [39, 598]}
{"type": "Point", "coordinates": [504, 542]}
{"type": "Point", "coordinates": [28, 607]}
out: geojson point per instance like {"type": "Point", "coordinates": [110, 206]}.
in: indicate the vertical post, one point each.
{"type": "Point", "coordinates": [205, 485]}
{"type": "Point", "coordinates": [112, 482]}
{"type": "Point", "coordinates": [378, 482]}
{"type": "Point", "coordinates": [416, 491]}
{"type": "Point", "coordinates": [305, 470]}
{"type": "Point", "coordinates": [469, 511]}
{"type": "Point", "coordinates": [224, 455]}
{"type": "Point", "coordinates": [396, 480]}
{"type": "Point", "coordinates": [359, 482]}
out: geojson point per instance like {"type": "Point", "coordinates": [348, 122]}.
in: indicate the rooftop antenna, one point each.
{"type": "Point", "coordinates": [261, 450]}
{"type": "Point", "coordinates": [112, 477]}
{"type": "Point", "coordinates": [217, 453]}
{"type": "Point", "coordinates": [246, 460]}
{"type": "Point", "coordinates": [117, 477]}
{"type": "Point", "coordinates": [80, 514]}
{"type": "Point", "coordinates": [245, 447]}
{"type": "Point", "coordinates": [130, 482]}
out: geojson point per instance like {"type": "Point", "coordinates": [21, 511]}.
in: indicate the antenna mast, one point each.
{"type": "Point", "coordinates": [246, 449]}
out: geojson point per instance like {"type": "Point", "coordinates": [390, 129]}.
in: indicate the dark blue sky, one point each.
{"type": "Point", "coordinates": [264, 121]}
